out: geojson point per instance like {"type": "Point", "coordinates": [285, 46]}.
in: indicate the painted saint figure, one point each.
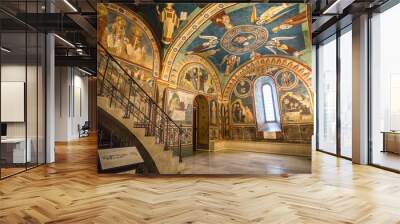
{"type": "Point", "coordinates": [243, 87]}
{"type": "Point", "coordinates": [243, 40]}
{"type": "Point", "coordinates": [197, 77]}
{"type": "Point", "coordinates": [116, 38]}
{"type": "Point", "coordinates": [237, 113]}
{"type": "Point", "coordinates": [170, 21]}
{"type": "Point", "coordinates": [135, 48]}
{"type": "Point", "coordinates": [231, 61]}
{"type": "Point", "coordinates": [101, 22]}
{"type": "Point", "coordinates": [213, 112]}
{"type": "Point", "coordinates": [248, 115]}
{"type": "Point", "coordinates": [286, 80]}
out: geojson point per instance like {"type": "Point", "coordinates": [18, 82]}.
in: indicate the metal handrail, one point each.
{"type": "Point", "coordinates": [156, 116]}
{"type": "Point", "coordinates": [134, 81]}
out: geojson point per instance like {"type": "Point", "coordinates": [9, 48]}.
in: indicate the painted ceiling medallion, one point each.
{"type": "Point", "coordinates": [244, 39]}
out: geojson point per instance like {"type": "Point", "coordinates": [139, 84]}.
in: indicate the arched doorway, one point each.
{"type": "Point", "coordinates": [200, 123]}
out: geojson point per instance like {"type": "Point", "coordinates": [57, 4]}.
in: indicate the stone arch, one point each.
{"type": "Point", "coordinates": [183, 36]}
{"type": "Point", "coordinates": [263, 65]}
{"type": "Point", "coordinates": [200, 61]}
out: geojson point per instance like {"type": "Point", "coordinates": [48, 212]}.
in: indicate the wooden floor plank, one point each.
{"type": "Point", "coordinates": [71, 191]}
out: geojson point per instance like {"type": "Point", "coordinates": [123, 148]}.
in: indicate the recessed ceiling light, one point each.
{"type": "Point", "coordinates": [64, 40]}
{"type": "Point", "coordinates": [5, 50]}
{"type": "Point", "coordinates": [70, 5]}
{"type": "Point", "coordinates": [337, 7]}
{"type": "Point", "coordinates": [84, 71]}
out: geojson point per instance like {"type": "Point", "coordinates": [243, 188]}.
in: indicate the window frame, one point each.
{"type": "Point", "coordinates": [262, 123]}
{"type": "Point", "coordinates": [272, 102]}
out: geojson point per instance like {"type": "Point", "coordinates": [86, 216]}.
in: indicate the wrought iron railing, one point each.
{"type": "Point", "coordinates": [124, 92]}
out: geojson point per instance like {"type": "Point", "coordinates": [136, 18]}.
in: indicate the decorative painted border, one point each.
{"type": "Point", "coordinates": [190, 59]}
{"type": "Point", "coordinates": [181, 38]}
{"type": "Point", "coordinates": [262, 64]}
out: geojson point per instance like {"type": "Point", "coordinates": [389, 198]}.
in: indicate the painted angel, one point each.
{"type": "Point", "coordinates": [275, 45]}
{"type": "Point", "coordinates": [292, 21]}
{"type": "Point", "coordinates": [211, 42]}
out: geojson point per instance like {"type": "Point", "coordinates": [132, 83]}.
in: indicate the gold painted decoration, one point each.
{"type": "Point", "coordinates": [241, 112]}
{"type": "Point", "coordinates": [127, 37]}
{"type": "Point", "coordinates": [189, 30]}
{"type": "Point", "coordinates": [285, 79]}
{"type": "Point", "coordinates": [266, 65]}
{"type": "Point", "coordinates": [242, 89]}
{"type": "Point", "coordinates": [195, 74]}
{"type": "Point", "coordinates": [296, 108]}
{"type": "Point", "coordinates": [170, 22]}
{"type": "Point", "coordinates": [244, 39]}
{"type": "Point", "coordinates": [180, 106]}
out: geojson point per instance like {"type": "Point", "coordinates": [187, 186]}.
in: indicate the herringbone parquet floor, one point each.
{"type": "Point", "coordinates": [71, 191]}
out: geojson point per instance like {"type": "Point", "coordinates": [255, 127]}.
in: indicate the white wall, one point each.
{"type": "Point", "coordinates": [15, 73]}
{"type": "Point", "coordinates": [71, 94]}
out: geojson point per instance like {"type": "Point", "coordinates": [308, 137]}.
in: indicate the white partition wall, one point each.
{"type": "Point", "coordinates": [71, 102]}
{"type": "Point", "coordinates": [12, 98]}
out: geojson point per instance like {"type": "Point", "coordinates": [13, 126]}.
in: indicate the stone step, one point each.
{"type": "Point", "coordinates": [165, 160]}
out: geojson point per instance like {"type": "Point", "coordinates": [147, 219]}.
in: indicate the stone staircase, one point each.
{"type": "Point", "coordinates": [125, 99]}
{"type": "Point", "coordinates": [165, 160]}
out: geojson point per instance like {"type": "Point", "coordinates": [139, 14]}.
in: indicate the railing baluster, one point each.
{"type": "Point", "coordinates": [104, 77]}
{"type": "Point", "coordinates": [180, 143]}
{"type": "Point", "coordinates": [144, 110]}
{"type": "Point", "coordinates": [166, 137]}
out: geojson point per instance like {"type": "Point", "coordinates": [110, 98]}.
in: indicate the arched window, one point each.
{"type": "Point", "coordinates": [266, 102]}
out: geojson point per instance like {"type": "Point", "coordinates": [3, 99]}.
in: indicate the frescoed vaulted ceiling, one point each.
{"type": "Point", "coordinates": [228, 35]}
{"type": "Point", "coordinates": [178, 51]}
{"type": "Point", "coordinates": [216, 39]}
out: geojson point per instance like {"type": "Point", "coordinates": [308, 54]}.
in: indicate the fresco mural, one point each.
{"type": "Point", "coordinates": [295, 105]}
{"type": "Point", "coordinates": [175, 16]}
{"type": "Point", "coordinates": [285, 79]}
{"type": "Point", "coordinates": [294, 97]}
{"type": "Point", "coordinates": [195, 77]}
{"type": "Point", "coordinates": [125, 37]}
{"type": "Point", "coordinates": [213, 112]}
{"type": "Point", "coordinates": [180, 106]}
{"type": "Point", "coordinates": [179, 51]}
{"type": "Point", "coordinates": [244, 32]}
{"type": "Point", "coordinates": [242, 103]}
{"type": "Point", "coordinates": [144, 77]}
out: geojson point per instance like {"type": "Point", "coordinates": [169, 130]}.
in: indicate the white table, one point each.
{"type": "Point", "coordinates": [18, 150]}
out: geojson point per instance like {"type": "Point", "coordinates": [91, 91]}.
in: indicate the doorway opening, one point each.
{"type": "Point", "coordinates": [200, 123]}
